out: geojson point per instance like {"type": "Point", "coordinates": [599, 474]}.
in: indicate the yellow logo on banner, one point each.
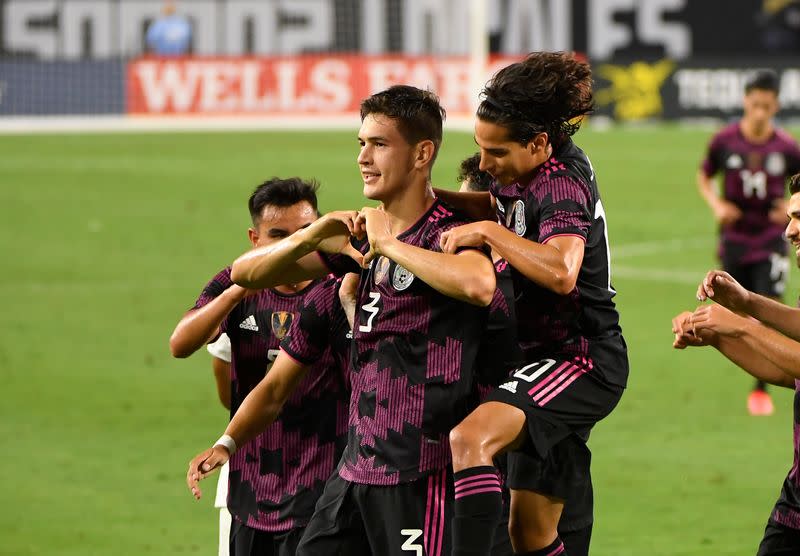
{"type": "Point", "coordinates": [635, 90]}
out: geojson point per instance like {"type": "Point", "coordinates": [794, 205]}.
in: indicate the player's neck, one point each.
{"type": "Point", "coordinates": [409, 206]}
{"type": "Point", "coordinates": [289, 289]}
{"type": "Point", "coordinates": [756, 134]}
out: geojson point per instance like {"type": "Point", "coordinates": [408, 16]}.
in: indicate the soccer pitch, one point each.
{"type": "Point", "coordinates": [108, 239]}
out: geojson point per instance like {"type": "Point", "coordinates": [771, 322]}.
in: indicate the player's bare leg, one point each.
{"type": "Point", "coordinates": [478, 503]}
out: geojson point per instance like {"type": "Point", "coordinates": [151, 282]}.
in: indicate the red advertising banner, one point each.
{"type": "Point", "coordinates": [297, 85]}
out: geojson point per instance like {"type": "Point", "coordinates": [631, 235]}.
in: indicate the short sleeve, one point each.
{"type": "Point", "coordinates": [565, 208]}
{"type": "Point", "coordinates": [218, 284]}
{"type": "Point", "coordinates": [710, 164]}
{"type": "Point", "coordinates": [309, 334]}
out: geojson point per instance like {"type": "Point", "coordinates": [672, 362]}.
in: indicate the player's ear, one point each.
{"type": "Point", "coordinates": [538, 143]}
{"type": "Point", "coordinates": [253, 235]}
{"type": "Point", "coordinates": [424, 153]}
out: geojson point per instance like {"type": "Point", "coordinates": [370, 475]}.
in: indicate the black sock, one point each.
{"type": "Point", "coordinates": [477, 510]}
{"type": "Point", "coordinates": [555, 549]}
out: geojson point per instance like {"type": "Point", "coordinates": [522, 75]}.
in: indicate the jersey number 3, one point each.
{"type": "Point", "coordinates": [372, 309]}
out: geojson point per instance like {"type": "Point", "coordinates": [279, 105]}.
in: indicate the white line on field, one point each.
{"type": "Point", "coordinates": [631, 250]}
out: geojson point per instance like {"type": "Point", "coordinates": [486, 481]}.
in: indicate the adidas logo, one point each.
{"type": "Point", "coordinates": [510, 386]}
{"type": "Point", "coordinates": [249, 324]}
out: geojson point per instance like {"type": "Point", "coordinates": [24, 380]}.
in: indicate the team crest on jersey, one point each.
{"type": "Point", "coordinates": [519, 218]}
{"type": "Point", "coordinates": [734, 162]}
{"type": "Point", "coordinates": [381, 269]}
{"type": "Point", "coordinates": [401, 278]}
{"type": "Point", "coordinates": [775, 165]}
{"type": "Point", "coordinates": [281, 322]}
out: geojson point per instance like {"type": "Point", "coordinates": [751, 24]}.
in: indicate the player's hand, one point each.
{"type": "Point", "coordinates": [726, 213]}
{"type": "Point", "coordinates": [777, 214]}
{"type": "Point", "coordinates": [332, 233]}
{"type": "Point", "coordinates": [468, 235]}
{"type": "Point", "coordinates": [377, 225]}
{"type": "Point", "coordinates": [685, 335]}
{"type": "Point", "coordinates": [721, 287]}
{"type": "Point", "coordinates": [203, 465]}
{"type": "Point", "coordinates": [718, 320]}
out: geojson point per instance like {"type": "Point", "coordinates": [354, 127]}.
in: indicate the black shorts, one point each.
{"type": "Point", "coordinates": [764, 278]}
{"type": "Point", "coordinates": [779, 540]}
{"type": "Point", "coordinates": [352, 519]}
{"type": "Point", "coordinates": [562, 400]}
{"type": "Point", "coordinates": [247, 541]}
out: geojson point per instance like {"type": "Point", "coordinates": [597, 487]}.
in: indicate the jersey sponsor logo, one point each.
{"type": "Point", "coordinates": [281, 322]}
{"type": "Point", "coordinates": [775, 165]}
{"type": "Point", "coordinates": [401, 278]}
{"type": "Point", "coordinates": [510, 386]}
{"type": "Point", "coordinates": [249, 324]}
{"type": "Point", "coordinates": [734, 162]}
{"type": "Point", "coordinates": [519, 218]}
{"type": "Point", "coordinates": [381, 269]}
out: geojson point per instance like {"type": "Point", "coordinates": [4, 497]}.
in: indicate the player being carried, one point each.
{"type": "Point", "coordinates": [754, 158]}
{"type": "Point", "coordinates": [552, 232]}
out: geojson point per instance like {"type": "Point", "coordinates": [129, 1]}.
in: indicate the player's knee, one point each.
{"type": "Point", "coordinates": [470, 446]}
{"type": "Point", "coordinates": [531, 533]}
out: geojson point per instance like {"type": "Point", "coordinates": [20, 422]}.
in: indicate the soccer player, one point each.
{"type": "Point", "coordinates": [552, 232]}
{"type": "Point", "coordinates": [575, 524]}
{"type": "Point", "coordinates": [420, 317]}
{"type": "Point", "coordinates": [276, 479]}
{"type": "Point", "coordinates": [754, 158]}
{"type": "Point", "coordinates": [762, 336]}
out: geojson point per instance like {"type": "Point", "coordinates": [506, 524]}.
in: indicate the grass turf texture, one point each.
{"type": "Point", "coordinates": [107, 239]}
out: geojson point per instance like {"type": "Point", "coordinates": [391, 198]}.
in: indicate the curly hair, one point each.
{"type": "Point", "coordinates": [470, 171]}
{"type": "Point", "coordinates": [794, 184]}
{"type": "Point", "coordinates": [546, 92]}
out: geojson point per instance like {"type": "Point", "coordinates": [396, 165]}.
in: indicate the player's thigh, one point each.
{"type": "Point", "coordinates": [493, 426]}
{"type": "Point", "coordinates": [337, 527]}
{"type": "Point", "coordinates": [779, 540]}
{"type": "Point", "coordinates": [559, 397]}
{"type": "Point", "coordinates": [741, 273]}
{"type": "Point", "coordinates": [410, 517]}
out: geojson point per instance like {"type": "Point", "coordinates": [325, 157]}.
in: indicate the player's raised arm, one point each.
{"type": "Point", "coordinates": [294, 259]}
{"type": "Point", "coordinates": [468, 276]}
{"type": "Point", "coordinates": [258, 410]}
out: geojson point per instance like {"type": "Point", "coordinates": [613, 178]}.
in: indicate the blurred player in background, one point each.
{"type": "Point", "coordinates": [220, 351]}
{"type": "Point", "coordinates": [575, 524]}
{"type": "Point", "coordinates": [419, 323]}
{"type": "Point", "coordinates": [170, 34]}
{"type": "Point", "coordinates": [762, 336]}
{"type": "Point", "coordinates": [276, 478]}
{"type": "Point", "coordinates": [754, 158]}
{"type": "Point", "coordinates": [552, 232]}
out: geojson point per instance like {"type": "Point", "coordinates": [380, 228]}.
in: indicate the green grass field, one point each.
{"type": "Point", "coordinates": [107, 239]}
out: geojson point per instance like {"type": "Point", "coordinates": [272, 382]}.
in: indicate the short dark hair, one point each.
{"type": "Point", "coordinates": [470, 171]}
{"type": "Point", "coordinates": [794, 184]}
{"type": "Point", "coordinates": [764, 80]}
{"type": "Point", "coordinates": [282, 192]}
{"type": "Point", "coordinates": [546, 92]}
{"type": "Point", "coordinates": [418, 114]}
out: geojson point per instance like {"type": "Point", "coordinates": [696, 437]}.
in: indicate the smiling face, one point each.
{"type": "Point", "coordinates": [276, 223]}
{"type": "Point", "coordinates": [793, 228]}
{"type": "Point", "coordinates": [386, 160]}
{"type": "Point", "coordinates": [506, 160]}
